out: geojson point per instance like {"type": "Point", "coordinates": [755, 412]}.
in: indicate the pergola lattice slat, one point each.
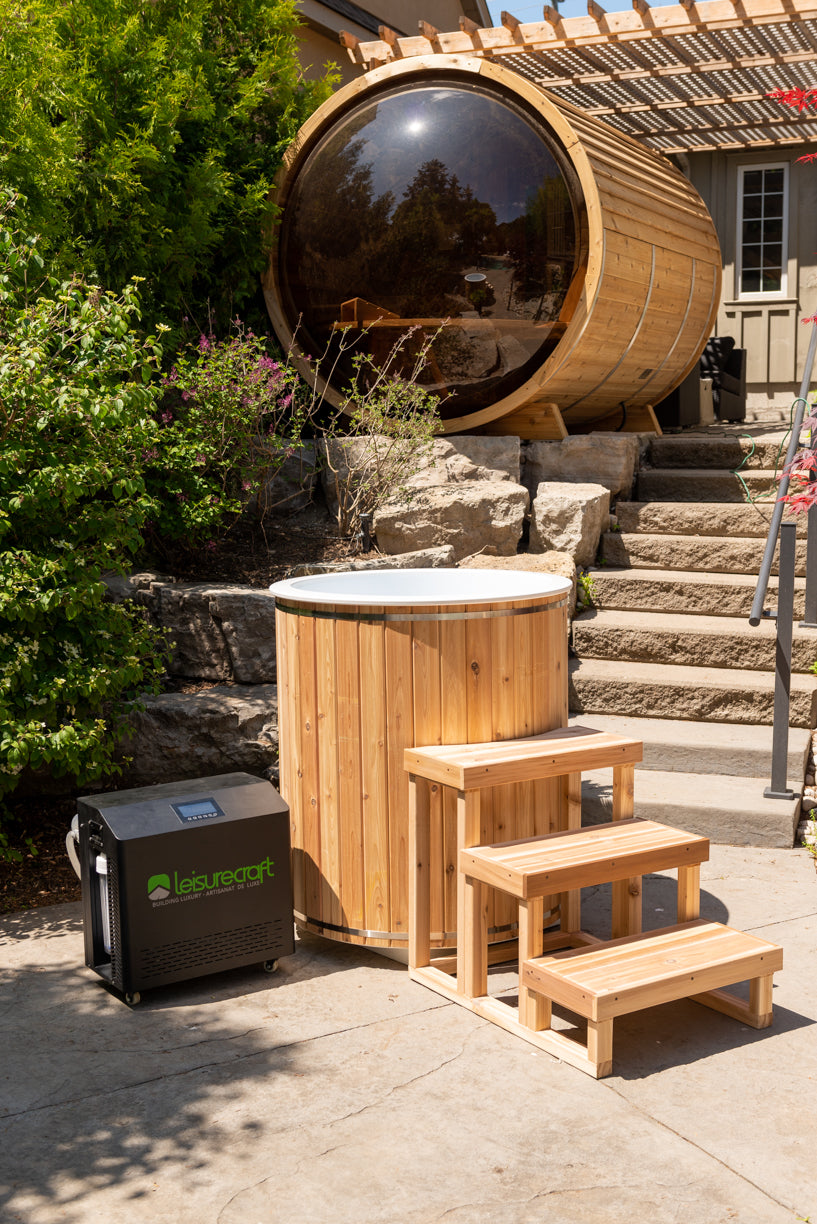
{"type": "Point", "coordinates": [712, 56]}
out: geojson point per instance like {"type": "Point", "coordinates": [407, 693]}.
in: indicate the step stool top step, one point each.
{"type": "Point", "coordinates": [611, 979]}
{"type": "Point", "coordinates": [551, 754]}
{"type": "Point", "coordinates": [580, 858]}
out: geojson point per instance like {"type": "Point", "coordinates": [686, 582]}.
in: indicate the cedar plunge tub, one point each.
{"type": "Point", "coordinates": [373, 662]}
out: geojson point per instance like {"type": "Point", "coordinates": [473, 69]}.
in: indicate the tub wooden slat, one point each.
{"type": "Point", "coordinates": [428, 728]}
{"type": "Point", "coordinates": [347, 662]}
{"type": "Point", "coordinates": [330, 910]}
{"type": "Point", "coordinates": [374, 772]}
{"type": "Point", "coordinates": [400, 724]}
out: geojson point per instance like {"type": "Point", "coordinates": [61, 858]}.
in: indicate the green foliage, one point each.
{"type": "Point", "coordinates": [145, 137]}
{"type": "Point", "coordinates": [586, 590]}
{"type": "Point", "coordinates": [76, 413]}
{"type": "Point", "coordinates": [230, 416]}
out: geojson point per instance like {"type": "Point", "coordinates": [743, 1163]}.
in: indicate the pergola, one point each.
{"type": "Point", "coordinates": [683, 78]}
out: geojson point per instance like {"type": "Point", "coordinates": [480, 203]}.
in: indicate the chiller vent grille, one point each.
{"type": "Point", "coordinates": [115, 922]}
{"type": "Point", "coordinates": [207, 951]}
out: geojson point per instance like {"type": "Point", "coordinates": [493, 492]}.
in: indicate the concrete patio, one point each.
{"type": "Point", "coordinates": [339, 1091]}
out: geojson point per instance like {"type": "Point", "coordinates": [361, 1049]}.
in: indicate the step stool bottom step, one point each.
{"type": "Point", "coordinates": [690, 960]}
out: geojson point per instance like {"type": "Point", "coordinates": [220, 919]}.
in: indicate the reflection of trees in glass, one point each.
{"type": "Point", "coordinates": [336, 230]}
{"type": "Point", "coordinates": [541, 246]}
{"type": "Point", "coordinates": [437, 231]}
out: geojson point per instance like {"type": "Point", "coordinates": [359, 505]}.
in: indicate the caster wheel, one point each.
{"type": "Point", "coordinates": [133, 999]}
{"type": "Point", "coordinates": [270, 966]}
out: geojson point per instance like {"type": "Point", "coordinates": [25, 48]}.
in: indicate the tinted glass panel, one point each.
{"type": "Point", "coordinates": [440, 209]}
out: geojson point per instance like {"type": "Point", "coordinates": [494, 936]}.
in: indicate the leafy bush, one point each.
{"type": "Point", "coordinates": [145, 138]}
{"type": "Point", "coordinates": [230, 416]}
{"type": "Point", "coordinates": [77, 405]}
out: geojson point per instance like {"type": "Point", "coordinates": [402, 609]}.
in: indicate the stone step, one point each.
{"type": "Point", "coordinates": [705, 748]}
{"type": "Point", "coordinates": [699, 519]}
{"type": "Point", "coordinates": [704, 484]}
{"type": "Point", "coordinates": [692, 450]}
{"type": "Point", "coordinates": [670, 691]}
{"type": "Point", "coordinates": [682, 591]}
{"type": "Point", "coordinates": [691, 641]}
{"type": "Point", "coordinates": [729, 810]}
{"type": "Point", "coordinates": [712, 554]}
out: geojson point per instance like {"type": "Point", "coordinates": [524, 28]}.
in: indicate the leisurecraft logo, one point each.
{"type": "Point", "coordinates": [160, 887]}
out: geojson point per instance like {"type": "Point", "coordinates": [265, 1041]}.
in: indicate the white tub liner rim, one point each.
{"type": "Point", "coordinates": [419, 587]}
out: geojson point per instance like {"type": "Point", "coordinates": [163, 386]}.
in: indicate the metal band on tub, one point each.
{"type": "Point", "coordinates": [318, 614]}
{"type": "Point", "coordinates": [398, 937]}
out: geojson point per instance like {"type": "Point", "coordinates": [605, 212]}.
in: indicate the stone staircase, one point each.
{"type": "Point", "coordinates": [667, 654]}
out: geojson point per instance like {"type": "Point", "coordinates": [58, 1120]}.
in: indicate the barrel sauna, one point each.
{"type": "Point", "coordinates": [373, 662]}
{"type": "Point", "coordinates": [562, 276]}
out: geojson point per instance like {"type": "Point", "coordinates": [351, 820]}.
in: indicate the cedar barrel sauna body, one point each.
{"type": "Point", "coordinates": [371, 663]}
{"type": "Point", "coordinates": [567, 276]}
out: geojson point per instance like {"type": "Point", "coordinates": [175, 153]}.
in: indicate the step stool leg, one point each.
{"type": "Point", "coordinates": [472, 939]}
{"type": "Point", "coordinates": [626, 893]}
{"type": "Point", "coordinates": [689, 893]}
{"type": "Point", "coordinates": [419, 849]}
{"type": "Point", "coordinates": [534, 1009]}
{"type": "Point", "coordinates": [760, 1001]}
{"type": "Point", "coordinates": [570, 903]}
{"type": "Point", "coordinates": [472, 905]}
{"type": "Point", "coordinates": [600, 1046]}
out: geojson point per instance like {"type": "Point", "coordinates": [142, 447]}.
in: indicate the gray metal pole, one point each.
{"type": "Point", "coordinates": [782, 665]}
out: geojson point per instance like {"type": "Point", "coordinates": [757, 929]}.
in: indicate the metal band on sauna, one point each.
{"type": "Point", "coordinates": [378, 617]}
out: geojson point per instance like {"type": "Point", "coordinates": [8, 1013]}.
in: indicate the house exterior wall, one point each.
{"type": "Point", "coordinates": [319, 39]}
{"type": "Point", "coordinates": [767, 325]}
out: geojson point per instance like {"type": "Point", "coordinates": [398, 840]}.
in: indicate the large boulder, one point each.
{"type": "Point", "coordinates": [569, 518]}
{"type": "Point", "coordinates": [558, 563]}
{"type": "Point", "coordinates": [474, 516]}
{"type": "Point", "coordinates": [445, 461]}
{"type": "Point", "coordinates": [469, 457]}
{"type": "Point", "coordinates": [214, 631]}
{"type": "Point", "coordinates": [194, 735]}
{"type": "Point", "coordinates": [607, 459]}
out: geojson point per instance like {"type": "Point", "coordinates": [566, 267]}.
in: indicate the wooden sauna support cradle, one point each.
{"type": "Point", "coordinates": [372, 663]}
{"type": "Point", "coordinates": [638, 291]}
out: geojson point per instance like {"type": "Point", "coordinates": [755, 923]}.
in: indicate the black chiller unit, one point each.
{"type": "Point", "coordinates": [184, 879]}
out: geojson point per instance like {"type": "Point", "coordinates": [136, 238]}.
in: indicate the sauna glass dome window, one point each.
{"type": "Point", "coordinates": [438, 211]}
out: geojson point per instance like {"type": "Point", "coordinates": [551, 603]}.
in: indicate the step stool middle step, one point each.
{"type": "Point", "coordinates": [560, 862]}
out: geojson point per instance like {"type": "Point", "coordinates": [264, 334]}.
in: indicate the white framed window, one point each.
{"type": "Point", "coordinates": [762, 229]}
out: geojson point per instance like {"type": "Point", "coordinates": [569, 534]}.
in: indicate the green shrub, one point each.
{"type": "Point", "coordinates": [145, 137]}
{"type": "Point", "coordinates": [77, 407]}
{"type": "Point", "coordinates": [230, 416]}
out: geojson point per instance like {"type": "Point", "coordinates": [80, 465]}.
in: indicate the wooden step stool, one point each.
{"type": "Point", "coordinates": [692, 960]}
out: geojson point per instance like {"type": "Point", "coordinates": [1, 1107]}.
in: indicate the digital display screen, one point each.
{"type": "Point", "coordinates": [197, 810]}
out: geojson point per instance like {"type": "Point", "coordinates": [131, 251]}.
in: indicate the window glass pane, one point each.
{"type": "Point", "coordinates": [772, 255]}
{"type": "Point", "coordinates": [774, 180]}
{"type": "Point", "coordinates": [441, 209]}
{"type": "Point", "coordinates": [753, 206]}
{"type": "Point", "coordinates": [773, 231]}
{"type": "Point", "coordinates": [750, 281]}
{"type": "Point", "coordinates": [772, 282]}
{"type": "Point", "coordinates": [752, 231]}
{"type": "Point", "coordinates": [773, 206]}
{"type": "Point", "coordinates": [751, 257]}
{"type": "Point", "coordinates": [752, 181]}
